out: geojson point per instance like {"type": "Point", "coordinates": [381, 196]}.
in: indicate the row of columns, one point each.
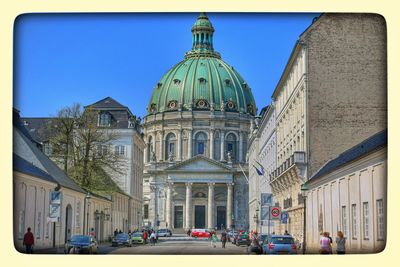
{"type": "Point", "coordinates": [190, 146]}
{"type": "Point", "coordinates": [210, 209]}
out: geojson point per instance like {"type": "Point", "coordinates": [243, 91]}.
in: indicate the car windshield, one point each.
{"type": "Point", "coordinates": [282, 240]}
{"type": "Point", "coordinates": [122, 236]}
{"type": "Point", "coordinates": [263, 237]}
{"type": "Point", "coordinates": [162, 230]}
{"type": "Point", "coordinates": [80, 238]}
{"type": "Point", "coordinates": [137, 234]}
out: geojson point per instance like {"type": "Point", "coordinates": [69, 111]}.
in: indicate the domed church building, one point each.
{"type": "Point", "coordinates": [196, 132]}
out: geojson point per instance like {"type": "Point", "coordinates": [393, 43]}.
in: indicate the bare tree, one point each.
{"type": "Point", "coordinates": [61, 134]}
{"type": "Point", "coordinates": [85, 150]}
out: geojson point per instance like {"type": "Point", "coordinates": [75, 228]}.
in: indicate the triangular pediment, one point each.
{"type": "Point", "coordinates": [199, 164]}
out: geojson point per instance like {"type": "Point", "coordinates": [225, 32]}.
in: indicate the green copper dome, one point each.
{"type": "Point", "coordinates": [202, 81]}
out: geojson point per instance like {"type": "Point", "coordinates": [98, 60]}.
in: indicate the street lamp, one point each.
{"type": "Point", "coordinates": [304, 189]}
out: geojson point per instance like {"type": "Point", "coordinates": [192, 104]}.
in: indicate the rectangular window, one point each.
{"type": "Point", "coordinates": [354, 221]}
{"type": "Point", "coordinates": [200, 148]}
{"type": "Point", "coordinates": [344, 220]}
{"type": "Point", "coordinates": [120, 150]}
{"type": "Point", "coordinates": [380, 220]}
{"type": "Point", "coordinates": [38, 225]}
{"type": "Point", "coordinates": [78, 214]}
{"type": "Point", "coordinates": [365, 220]}
{"type": "Point", "coordinates": [145, 211]}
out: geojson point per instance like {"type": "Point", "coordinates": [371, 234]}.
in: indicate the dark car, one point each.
{"type": "Point", "coordinates": [243, 239]}
{"type": "Point", "coordinates": [164, 232]}
{"type": "Point", "coordinates": [81, 244]}
{"type": "Point", "coordinates": [279, 244]}
{"type": "Point", "coordinates": [121, 239]}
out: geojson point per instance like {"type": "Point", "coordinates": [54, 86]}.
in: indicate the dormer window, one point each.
{"type": "Point", "coordinates": [177, 82]}
{"type": "Point", "coordinates": [230, 105]}
{"type": "Point", "coordinates": [202, 103]}
{"type": "Point", "coordinates": [202, 80]}
{"type": "Point", "coordinates": [245, 86]}
{"type": "Point", "coordinates": [172, 104]}
{"type": "Point", "coordinates": [227, 82]}
{"type": "Point", "coordinates": [159, 85]}
{"type": "Point", "coordinates": [105, 119]}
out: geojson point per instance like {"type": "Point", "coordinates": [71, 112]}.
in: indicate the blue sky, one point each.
{"type": "Point", "coordinates": [62, 59]}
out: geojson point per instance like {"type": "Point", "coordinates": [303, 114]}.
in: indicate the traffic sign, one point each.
{"type": "Point", "coordinates": [275, 213]}
{"type": "Point", "coordinates": [284, 217]}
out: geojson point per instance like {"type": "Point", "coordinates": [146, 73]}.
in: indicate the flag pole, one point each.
{"type": "Point", "coordinates": [247, 179]}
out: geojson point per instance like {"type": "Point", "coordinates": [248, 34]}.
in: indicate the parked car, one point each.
{"type": "Point", "coordinates": [242, 239]}
{"type": "Point", "coordinates": [164, 232]}
{"type": "Point", "coordinates": [202, 233]}
{"type": "Point", "coordinates": [121, 239]}
{"type": "Point", "coordinates": [279, 244]}
{"type": "Point", "coordinates": [81, 244]}
{"type": "Point", "coordinates": [137, 238]}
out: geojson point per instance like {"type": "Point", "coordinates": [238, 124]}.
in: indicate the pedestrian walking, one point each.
{"type": "Point", "coordinates": [325, 244]}
{"type": "Point", "coordinates": [214, 240]}
{"type": "Point", "coordinates": [28, 241]}
{"type": "Point", "coordinates": [153, 238]}
{"type": "Point", "coordinates": [116, 232]}
{"type": "Point", "coordinates": [223, 238]}
{"type": "Point", "coordinates": [340, 243]}
{"type": "Point", "coordinates": [286, 232]}
{"type": "Point", "coordinates": [145, 237]}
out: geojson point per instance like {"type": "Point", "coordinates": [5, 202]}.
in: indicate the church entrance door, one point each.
{"type": "Point", "coordinates": [221, 216]}
{"type": "Point", "coordinates": [178, 217]}
{"type": "Point", "coordinates": [199, 216]}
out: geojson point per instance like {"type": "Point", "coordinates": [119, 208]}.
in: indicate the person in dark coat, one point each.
{"type": "Point", "coordinates": [29, 241]}
{"type": "Point", "coordinates": [223, 238]}
{"type": "Point", "coordinates": [116, 232]}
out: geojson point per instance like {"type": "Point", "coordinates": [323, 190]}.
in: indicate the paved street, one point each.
{"type": "Point", "coordinates": [175, 245]}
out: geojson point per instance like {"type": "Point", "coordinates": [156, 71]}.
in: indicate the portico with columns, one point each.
{"type": "Point", "coordinates": [199, 193]}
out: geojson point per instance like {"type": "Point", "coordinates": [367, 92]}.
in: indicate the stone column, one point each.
{"type": "Point", "coordinates": [190, 146]}
{"type": "Point", "coordinates": [212, 144]}
{"type": "Point", "coordinates": [179, 149]}
{"type": "Point", "coordinates": [240, 147]}
{"type": "Point", "coordinates": [188, 210]}
{"type": "Point", "coordinates": [168, 208]}
{"type": "Point", "coordinates": [229, 202]}
{"type": "Point", "coordinates": [222, 138]}
{"type": "Point", "coordinates": [210, 208]}
{"type": "Point", "coordinates": [153, 204]}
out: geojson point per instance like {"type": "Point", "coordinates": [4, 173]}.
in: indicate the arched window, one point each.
{"type": "Point", "coordinates": [170, 144]}
{"type": "Point", "coordinates": [200, 143]}
{"type": "Point", "coordinates": [231, 146]}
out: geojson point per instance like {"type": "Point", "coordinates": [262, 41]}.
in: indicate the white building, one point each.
{"type": "Point", "coordinates": [262, 155]}
{"type": "Point", "coordinates": [128, 143]}
{"type": "Point", "coordinates": [348, 194]}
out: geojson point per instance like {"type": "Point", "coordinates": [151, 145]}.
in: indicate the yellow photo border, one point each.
{"type": "Point", "coordinates": [10, 9]}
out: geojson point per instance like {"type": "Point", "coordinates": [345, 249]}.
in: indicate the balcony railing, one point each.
{"type": "Point", "coordinates": [298, 157]}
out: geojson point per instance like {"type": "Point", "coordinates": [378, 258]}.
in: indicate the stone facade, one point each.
{"type": "Point", "coordinates": [166, 178]}
{"type": "Point", "coordinates": [332, 95]}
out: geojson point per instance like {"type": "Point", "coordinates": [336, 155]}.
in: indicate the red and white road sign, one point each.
{"type": "Point", "coordinates": [275, 213]}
